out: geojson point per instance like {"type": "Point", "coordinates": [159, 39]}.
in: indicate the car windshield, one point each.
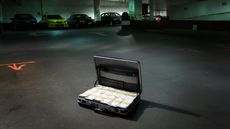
{"type": "Point", "coordinates": [80, 16]}
{"type": "Point", "coordinates": [23, 16]}
{"type": "Point", "coordinates": [54, 17]}
{"type": "Point", "coordinates": [105, 15]}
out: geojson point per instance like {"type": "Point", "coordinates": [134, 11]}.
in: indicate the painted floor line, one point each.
{"type": "Point", "coordinates": [19, 63]}
{"type": "Point", "coordinates": [98, 33]}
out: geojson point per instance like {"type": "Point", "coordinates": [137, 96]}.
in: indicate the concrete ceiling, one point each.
{"type": "Point", "coordinates": [165, 2]}
{"type": "Point", "coordinates": [178, 2]}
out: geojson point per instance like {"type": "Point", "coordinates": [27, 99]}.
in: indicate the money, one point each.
{"type": "Point", "coordinates": [111, 96]}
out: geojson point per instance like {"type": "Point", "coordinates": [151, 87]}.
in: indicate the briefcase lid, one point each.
{"type": "Point", "coordinates": [118, 73]}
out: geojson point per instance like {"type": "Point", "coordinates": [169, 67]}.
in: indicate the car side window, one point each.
{"type": "Point", "coordinates": [112, 15]}
{"type": "Point", "coordinates": [118, 15]}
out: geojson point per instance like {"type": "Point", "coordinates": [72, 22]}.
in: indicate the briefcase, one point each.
{"type": "Point", "coordinates": [118, 86]}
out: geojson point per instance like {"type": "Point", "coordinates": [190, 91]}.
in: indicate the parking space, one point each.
{"type": "Point", "coordinates": [185, 78]}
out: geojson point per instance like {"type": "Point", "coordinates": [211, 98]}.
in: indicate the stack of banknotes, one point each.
{"type": "Point", "coordinates": [111, 96]}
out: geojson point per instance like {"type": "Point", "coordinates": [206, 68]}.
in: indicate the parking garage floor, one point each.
{"type": "Point", "coordinates": [186, 78]}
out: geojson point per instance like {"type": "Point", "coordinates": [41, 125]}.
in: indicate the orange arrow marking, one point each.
{"type": "Point", "coordinates": [16, 68]}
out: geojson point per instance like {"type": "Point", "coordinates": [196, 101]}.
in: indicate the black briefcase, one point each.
{"type": "Point", "coordinates": [118, 86]}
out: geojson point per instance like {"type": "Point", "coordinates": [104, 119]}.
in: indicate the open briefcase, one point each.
{"type": "Point", "coordinates": [118, 86]}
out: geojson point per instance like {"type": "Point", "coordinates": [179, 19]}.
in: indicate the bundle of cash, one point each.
{"type": "Point", "coordinates": [111, 96]}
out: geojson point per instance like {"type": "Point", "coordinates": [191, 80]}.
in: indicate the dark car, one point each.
{"type": "Point", "coordinates": [80, 20]}
{"type": "Point", "coordinates": [110, 18]}
{"type": "Point", "coordinates": [23, 21]}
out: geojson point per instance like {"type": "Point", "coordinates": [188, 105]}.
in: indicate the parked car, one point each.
{"type": "Point", "coordinates": [23, 21]}
{"type": "Point", "coordinates": [53, 21]}
{"type": "Point", "coordinates": [80, 20]}
{"type": "Point", "coordinates": [110, 18]}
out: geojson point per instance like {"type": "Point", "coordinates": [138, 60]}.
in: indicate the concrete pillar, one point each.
{"type": "Point", "coordinates": [156, 7]}
{"type": "Point", "coordinates": [96, 7]}
{"type": "Point", "coordinates": [1, 11]}
{"type": "Point", "coordinates": [41, 7]}
{"type": "Point", "coordinates": [135, 9]}
{"type": "Point", "coordinates": [1, 16]}
{"type": "Point", "coordinates": [151, 9]}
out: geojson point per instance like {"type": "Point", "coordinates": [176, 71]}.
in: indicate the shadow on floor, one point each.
{"type": "Point", "coordinates": [136, 113]}
{"type": "Point", "coordinates": [145, 104]}
{"type": "Point", "coordinates": [124, 32]}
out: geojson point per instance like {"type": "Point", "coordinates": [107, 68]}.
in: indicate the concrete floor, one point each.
{"type": "Point", "coordinates": [186, 78]}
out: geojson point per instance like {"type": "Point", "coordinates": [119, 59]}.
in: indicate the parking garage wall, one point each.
{"type": "Point", "coordinates": [212, 10]}
{"type": "Point", "coordinates": [63, 7]}
{"type": "Point", "coordinates": [114, 6]}
{"type": "Point", "coordinates": [11, 7]}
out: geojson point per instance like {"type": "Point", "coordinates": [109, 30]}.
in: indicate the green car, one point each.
{"type": "Point", "coordinates": [54, 21]}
